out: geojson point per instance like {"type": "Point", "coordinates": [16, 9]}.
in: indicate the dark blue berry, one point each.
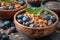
{"type": "Point", "coordinates": [11, 7]}
{"type": "Point", "coordinates": [50, 23]}
{"type": "Point", "coordinates": [5, 37]}
{"type": "Point", "coordinates": [22, 3]}
{"type": "Point", "coordinates": [0, 36]}
{"type": "Point", "coordinates": [20, 0]}
{"type": "Point", "coordinates": [2, 8]}
{"type": "Point", "coordinates": [20, 16]}
{"type": "Point", "coordinates": [32, 25]}
{"type": "Point", "coordinates": [20, 21]}
{"type": "Point", "coordinates": [27, 23]}
{"type": "Point", "coordinates": [53, 18]}
{"type": "Point", "coordinates": [1, 25]}
{"type": "Point", "coordinates": [46, 17]}
{"type": "Point", "coordinates": [7, 23]}
{"type": "Point", "coordinates": [26, 18]}
{"type": "Point", "coordinates": [13, 29]}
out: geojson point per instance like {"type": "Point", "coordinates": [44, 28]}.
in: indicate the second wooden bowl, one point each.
{"type": "Point", "coordinates": [8, 14]}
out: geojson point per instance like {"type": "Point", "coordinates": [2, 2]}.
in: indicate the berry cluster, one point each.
{"type": "Point", "coordinates": [8, 25]}
{"type": "Point", "coordinates": [4, 36]}
{"type": "Point", "coordinates": [25, 20]}
{"type": "Point", "coordinates": [6, 28]}
{"type": "Point", "coordinates": [51, 18]}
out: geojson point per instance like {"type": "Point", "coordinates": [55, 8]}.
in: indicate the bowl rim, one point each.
{"type": "Point", "coordinates": [15, 20]}
{"type": "Point", "coordinates": [17, 8]}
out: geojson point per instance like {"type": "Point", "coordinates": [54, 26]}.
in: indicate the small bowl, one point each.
{"type": "Point", "coordinates": [36, 32]}
{"type": "Point", "coordinates": [8, 14]}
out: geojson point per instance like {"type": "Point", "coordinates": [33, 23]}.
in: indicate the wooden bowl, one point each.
{"type": "Point", "coordinates": [8, 14]}
{"type": "Point", "coordinates": [36, 32]}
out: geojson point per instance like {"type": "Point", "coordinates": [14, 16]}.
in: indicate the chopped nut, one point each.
{"type": "Point", "coordinates": [44, 25]}
{"type": "Point", "coordinates": [8, 4]}
{"type": "Point", "coordinates": [17, 6]}
{"type": "Point", "coordinates": [1, 30]}
{"type": "Point", "coordinates": [42, 15]}
{"type": "Point", "coordinates": [45, 21]}
{"type": "Point", "coordinates": [25, 14]}
{"type": "Point", "coordinates": [32, 15]}
{"type": "Point", "coordinates": [16, 2]}
{"type": "Point", "coordinates": [57, 31]}
{"type": "Point", "coordinates": [36, 18]}
{"type": "Point", "coordinates": [9, 31]}
{"type": "Point", "coordinates": [9, 35]}
{"type": "Point", "coordinates": [41, 25]}
{"type": "Point", "coordinates": [32, 20]}
{"type": "Point", "coordinates": [12, 34]}
{"type": "Point", "coordinates": [41, 21]}
{"type": "Point", "coordinates": [2, 4]}
{"type": "Point", "coordinates": [20, 38]}
{"type": "Point", "coordinates": [38, 24]}
{"type": "Point", "coordinates": [17, 36]}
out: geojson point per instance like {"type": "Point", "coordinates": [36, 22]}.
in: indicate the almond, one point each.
{"type": "Point", "coordinates": [9, 31]}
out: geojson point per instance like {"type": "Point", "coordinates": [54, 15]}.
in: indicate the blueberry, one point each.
{"type": "Point", "coordinates": [20, 0]}
{"type": "Point", "coordinates": [22, 3]}
{"type": "Point", "coordinates": [20, 16]}
{"type": "Point", "coordinates": [50, 23]}
{"type": "Point", "coordinates": [46, 17]}
{"type": "Point", "coordinates": [2, 8]}
{"type": "Point", "coordinates": [32, 25]}
{"type": "Point", "coordinates": [13, 29]}
{"type": "Point", "coordinates": [46, 13]}
{"type": "Point", "coordinates": [20, 21]}
{"type": "Point", "coordinates": [0, 36]}
{"type": "Point", "coordinates": [5, 37]}
{"type": "Point", "coordinates": [53, 18]}
{"type": "Point", "coordinates": [26, 18]}
{"type": "Point", "coordinates": [27, 23]}
{"type": "Point", "coordinates": [7, 23]}
{"type": "Point", "coordinates": [1, 25]}
{"type": "Point", "coordinates": [11, 7]}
